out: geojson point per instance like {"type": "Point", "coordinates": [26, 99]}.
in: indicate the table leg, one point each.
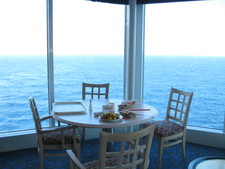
{"type": "Point", "coordinates": [129, 129]}
{"type": "Point", "coordinates": [109, 145]}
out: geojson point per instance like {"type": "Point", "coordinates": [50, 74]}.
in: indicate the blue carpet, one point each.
{"type": "Point", "coordinates": [172, 157]}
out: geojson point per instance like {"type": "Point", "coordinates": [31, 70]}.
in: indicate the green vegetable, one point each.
{"type": "Point", "coordinates": [110, 116]}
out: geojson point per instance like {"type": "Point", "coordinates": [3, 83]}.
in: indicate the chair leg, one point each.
{"type": "Point", "coordinates": [83, 134]}
{"type": "Point", "coordinates": [184, 148]}
{"type": "Point", "coordinates": [77, 150]}
{"type": "Point", "coordinates": [161, 143]}
{"type": "Point", "coordinates": [41, 154]}
{"type": "Point", "coordinates": [72, 165]}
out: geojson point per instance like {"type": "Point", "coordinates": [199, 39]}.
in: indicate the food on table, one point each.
{"type": "Point", "coordinates": [127, 114]}
{"type": "Point", "coordinates": [110, 116]}
{"type": "Point", "coordinates": [126, 104]}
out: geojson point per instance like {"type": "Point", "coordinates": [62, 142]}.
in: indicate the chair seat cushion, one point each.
{"type": "Point", "coordinates": [165, 128]}
{"type": "Point", "coordinates": [56, 138]}
{"type": "Point", "coordinates": [109, 162]}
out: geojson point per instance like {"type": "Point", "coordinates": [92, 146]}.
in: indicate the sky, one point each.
{"type": "Point", "coordinates": [88, 28]}
{"type": "Point", "coordinates": [187, 28]}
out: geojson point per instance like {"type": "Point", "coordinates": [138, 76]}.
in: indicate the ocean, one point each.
{"type": "Point", "coordinates": [24, 76]}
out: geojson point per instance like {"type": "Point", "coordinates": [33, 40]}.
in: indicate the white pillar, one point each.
{"type": "Point", "coordinates": [134, 51]}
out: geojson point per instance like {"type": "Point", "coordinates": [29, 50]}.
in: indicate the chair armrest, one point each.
{"type": "Point", "coordinates": [49, 117]}
{"type": "Point", "coordinates": [50, 130]}
{"type": "Point", "coordinates": [75, 159]}
{"type": "Point", "coordinates": [45, 118]}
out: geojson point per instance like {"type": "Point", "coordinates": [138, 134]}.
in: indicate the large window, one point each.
{"type": "Point", "coordinates": [88, 47]}
{"type": "Point", "coordinates": [22, 62]}
{"type": "Point", "coordinates": [184, 49]}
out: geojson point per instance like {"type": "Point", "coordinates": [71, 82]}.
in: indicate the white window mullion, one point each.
{"type": "Point", "coordinates": [139, 57]}
{"type": "Point", "coordinates": [50, 61]}
{"type": "Point", "coordinates": [126, 52]}
{"type": "Point", "coordinates": [130, 48]}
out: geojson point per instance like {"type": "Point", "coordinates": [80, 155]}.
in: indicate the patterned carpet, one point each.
{"type": "Point", "coordinates": [172, 158]}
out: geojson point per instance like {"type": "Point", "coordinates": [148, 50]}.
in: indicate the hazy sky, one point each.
{"type": "Point", "coordinates": [188, 28]}
{"type": "Point", "coordinates": [82, 27]}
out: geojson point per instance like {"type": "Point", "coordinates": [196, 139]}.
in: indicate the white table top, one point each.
{"type": "Point", "coordinates": [76, 115]}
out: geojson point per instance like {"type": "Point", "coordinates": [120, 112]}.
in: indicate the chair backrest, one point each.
{"type": "Point", "coordinates": [95, 90]}
{"type": "Point", "coordinates": [135, 147]}
{"type": "Point", "coordinates": [178, 106]}
{"type": "Point", "coordinates": [35, 114]}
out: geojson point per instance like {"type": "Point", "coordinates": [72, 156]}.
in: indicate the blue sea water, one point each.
{"type": "Point", "coordinates": [24, 76]}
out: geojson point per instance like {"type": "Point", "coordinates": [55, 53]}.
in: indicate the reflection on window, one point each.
{"type": "Point", "coordinates": [88, 47]}
{"type": "Point", "coordinates": [22, 62]}
{"type": "Point", "coordinates": [184, 50]}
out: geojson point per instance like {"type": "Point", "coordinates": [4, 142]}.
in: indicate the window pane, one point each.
{"type": "Point", "coordinates": [88, 47]}
{"type": "Point", "coordinates": [184, 48]}
{"type": "Point", "coordinates": [22, 62]}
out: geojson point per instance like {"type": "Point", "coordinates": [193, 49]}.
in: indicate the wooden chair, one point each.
{"type": "Point", "coordinates": [172, 130]}
{"type": "Point", "coordinates": [95, 90]}
{"type": "Point", "coordinates": [131, 151]}
{"type": "Point", "coordinates": [58, 138]}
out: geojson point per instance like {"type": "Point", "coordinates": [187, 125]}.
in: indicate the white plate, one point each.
{"type": "Point", "coordinates": [112, 121]}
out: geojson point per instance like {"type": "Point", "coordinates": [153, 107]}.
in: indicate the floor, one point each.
{"type": "Point", "coordinates": [172, 158]}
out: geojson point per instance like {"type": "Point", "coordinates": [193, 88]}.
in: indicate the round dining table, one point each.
{"type": "Point", "coordinates": [85, 113]}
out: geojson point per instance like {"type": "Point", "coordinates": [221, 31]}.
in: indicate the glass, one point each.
{"type": "Point", "coordinates": [88, 47]}
{"type": "Point", "coordinates": [184, 49]}
{"type": "Point", "coordinates": [22, 62]}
